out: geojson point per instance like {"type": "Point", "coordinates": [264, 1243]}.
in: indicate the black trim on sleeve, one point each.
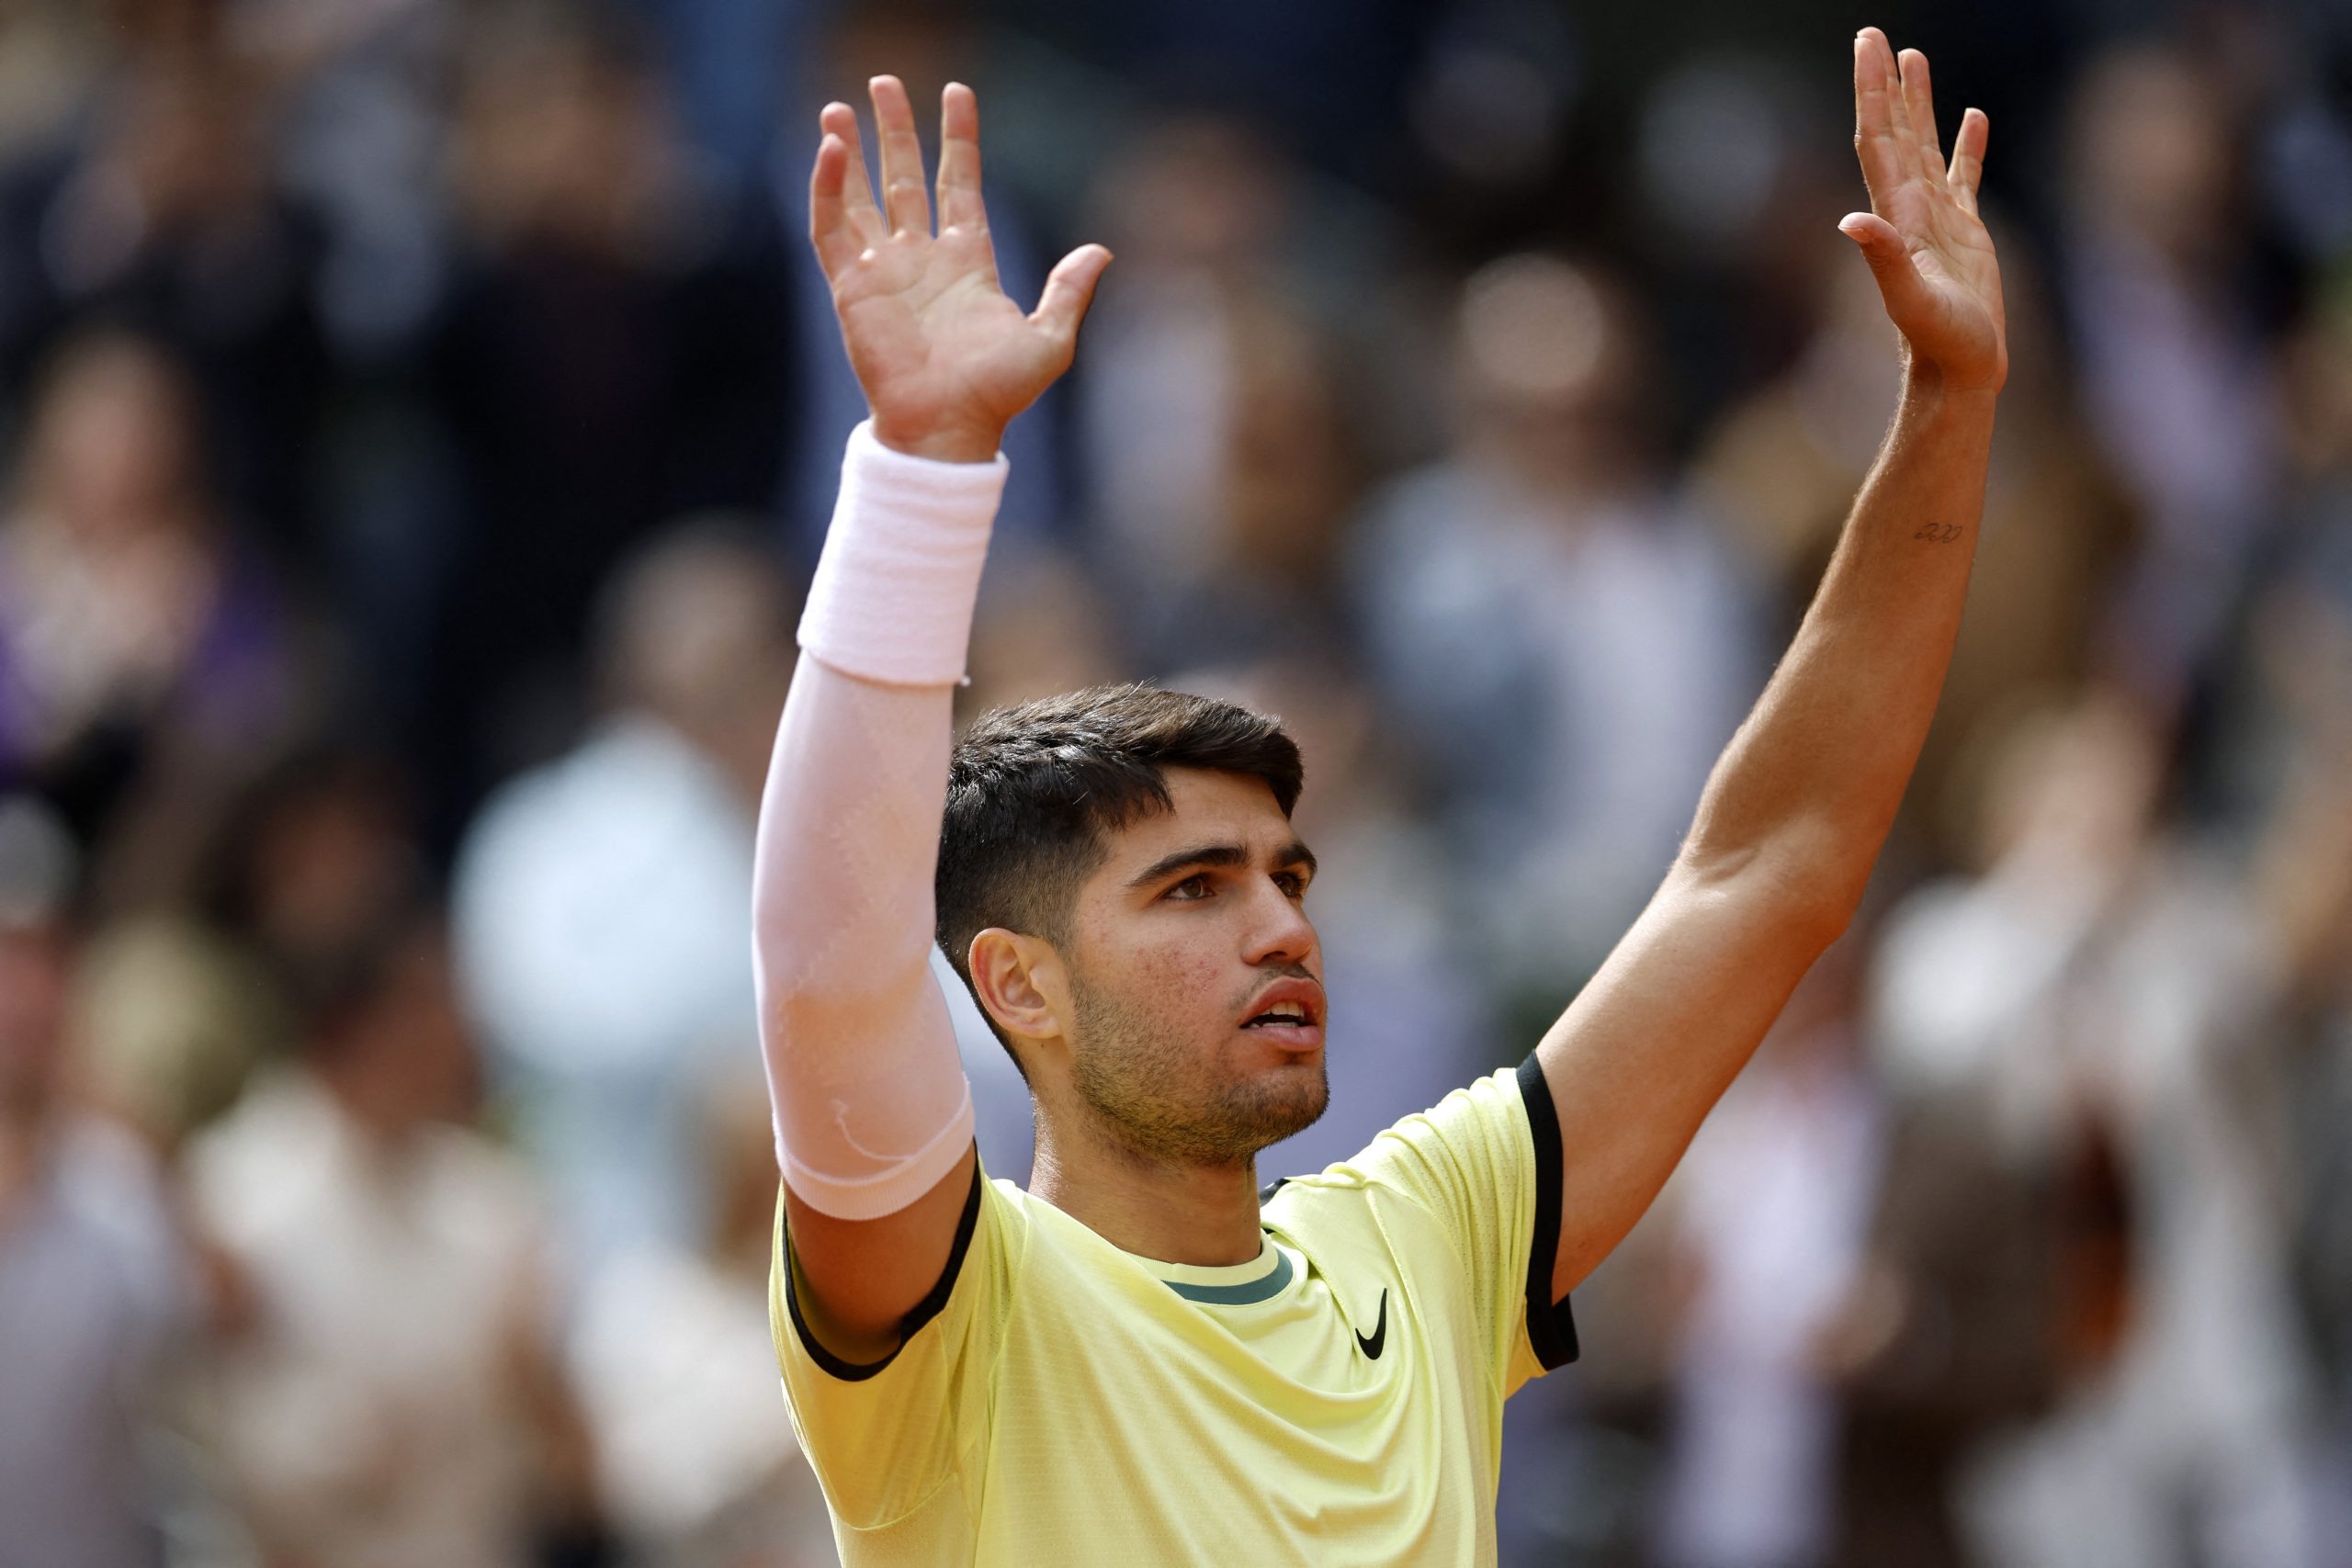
{"type": "Point", "coordinates": [923, 1312]}
{"type": "Point", "coordinates": [1551, 1328]}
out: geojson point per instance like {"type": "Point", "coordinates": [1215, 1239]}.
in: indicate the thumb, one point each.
{"type": "Point", "coordinates": [1890, 259]}
{"type": "Point", "coordinates": [1069, 289]}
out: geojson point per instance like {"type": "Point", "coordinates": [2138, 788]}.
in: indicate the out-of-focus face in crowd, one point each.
{"type": "Point", "coordinates": [1555, 376]}
{"type": "Point", "coordinates": [113, 455]}
{"type": "Point", "coordinates": [2155, 149]}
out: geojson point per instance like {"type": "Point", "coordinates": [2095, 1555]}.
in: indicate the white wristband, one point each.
{"type": "Point", "coordinates": [894, 589]}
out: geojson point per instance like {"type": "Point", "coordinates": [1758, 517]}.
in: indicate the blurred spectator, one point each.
{"type": "Point", "coordinates": [614, 352]}
{"type": "Point", "coordinates": [601, 900]}
{"type": "Point", "coordinates": [144, 654]}
{"type": "Point", "coordinates": [2102, 986]}
{"type": "Point", "coordinates": [355, 86]}
{"type": "Point", "coordinates": [162, 213]}
{"type": "Point", "coordinates": [1774, 1207]}
{"type": "Point", "coordinates": [2175, 383]}
{"type": "Point", "coordinates": [95, 1285]}
{"type": "Point", "coordinates": [697, 1455]}
{"type": "Point", "coordinates": [392, 1396]}
{"type": "Point", "coordinates": [1565, 640]}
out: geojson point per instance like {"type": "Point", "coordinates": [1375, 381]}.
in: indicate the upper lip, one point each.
{"type": "Point", "coordinates": [1306, 993]}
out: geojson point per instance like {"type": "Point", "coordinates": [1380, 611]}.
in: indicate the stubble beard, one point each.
{"type": "Point", "coordinates": [1156, 1093]}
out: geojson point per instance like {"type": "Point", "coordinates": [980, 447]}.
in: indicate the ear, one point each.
{"type": "Point", "coordinates": [1019, 982]}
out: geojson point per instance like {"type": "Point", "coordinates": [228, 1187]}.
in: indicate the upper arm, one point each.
{"type": "Point", "coordinates": [864, 1277]}
{"type": "Point", "coordinates": [1648, 1047]}
{"type": "Point", "coordinates": [886, 1421]}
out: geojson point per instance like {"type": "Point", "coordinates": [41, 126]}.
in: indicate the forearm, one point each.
{"type": "Point", "coordinates": [870, 1098]}
{"type": "Point", "coordinates": [1809, 786]}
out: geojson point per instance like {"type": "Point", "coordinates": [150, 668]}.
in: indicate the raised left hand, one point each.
{"type": "Point", "coordinates": [1922, 237]}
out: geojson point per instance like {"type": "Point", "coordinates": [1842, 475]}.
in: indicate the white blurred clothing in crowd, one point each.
{"type": "Point", "coordinates": [369, 1415]}
{"type": "Point", "coordinates": [696, 1453]}
{"type": "Point", "coordinates": [96, 1288]}
{"type": "Point", "coordinates": [599, 913]}
{"type": "Point", "coordinates": [2048, 987]}
{"type": "Point", "coordinates": [1775, 1201]}
{"type": "Point", "coordinates": [1572, 676]}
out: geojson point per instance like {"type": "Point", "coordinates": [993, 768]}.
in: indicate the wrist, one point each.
{"type": "Point", "coordinates": [941, 444]}
{"type": "Point", "coordinates": [1929, 392]}
{"type": "Point", "coordinates": [895, 586]}
{"type": "Point", "coordinates": [1926, 381]}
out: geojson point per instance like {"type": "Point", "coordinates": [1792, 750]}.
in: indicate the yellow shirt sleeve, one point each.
{"type": "Point", "coordinates": [1486, 1161]}
{"type": "Point", "coordinates": [891, 1439]}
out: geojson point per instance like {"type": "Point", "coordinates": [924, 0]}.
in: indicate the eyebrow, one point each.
{"type": "Point", "coordinates": [1293, 854]}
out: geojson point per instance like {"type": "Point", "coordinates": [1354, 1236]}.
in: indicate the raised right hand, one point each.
{"type": "Point", "coordinates": [946, 358]}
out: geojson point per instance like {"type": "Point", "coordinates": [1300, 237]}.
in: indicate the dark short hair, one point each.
{"type": "Point", "coordinates": [1034, 790]}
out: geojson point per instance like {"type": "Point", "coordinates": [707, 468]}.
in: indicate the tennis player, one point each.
{"type": "Point", "coordinates": [1143, 1360]}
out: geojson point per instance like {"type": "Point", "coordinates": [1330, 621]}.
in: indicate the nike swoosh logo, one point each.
{"type": "Point", "coordinates": [1370, 1348]}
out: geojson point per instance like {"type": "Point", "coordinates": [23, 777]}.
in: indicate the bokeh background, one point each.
{"type": "Point", "coordinates": [418, 419]}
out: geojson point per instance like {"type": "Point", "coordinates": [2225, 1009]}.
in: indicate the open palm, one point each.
{"type": "Point", "coordinates": [1922, 239]}
{"type": "Point", "coordinates": [946, 358]}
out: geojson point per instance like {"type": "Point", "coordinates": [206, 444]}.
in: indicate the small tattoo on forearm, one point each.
{"type": "Point", "coordinates": [1938, 532]}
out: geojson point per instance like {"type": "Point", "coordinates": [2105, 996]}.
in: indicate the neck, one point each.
{"type": "Point", "coordinates": [1154, 1206]}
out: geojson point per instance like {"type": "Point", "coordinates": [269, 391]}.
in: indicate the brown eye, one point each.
{"type": "Point", "coordinates": [1198, 882]}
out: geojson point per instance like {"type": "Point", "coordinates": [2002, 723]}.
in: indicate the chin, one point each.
{"type": "Point", "coordinates": [1286, 1098]}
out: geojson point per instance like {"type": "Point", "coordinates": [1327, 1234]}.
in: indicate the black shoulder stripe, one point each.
{"type": "Point", "coordinates": [921, 1312]}
{"type": "Point", "coordinates": [1551, 1328]}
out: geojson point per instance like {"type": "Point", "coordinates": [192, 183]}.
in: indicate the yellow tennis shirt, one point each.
{"type": "Point", "coordinates": [1338, 1401]}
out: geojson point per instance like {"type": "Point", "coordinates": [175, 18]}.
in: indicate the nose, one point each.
{"type": "Point", "coordinates": [1279, 931]}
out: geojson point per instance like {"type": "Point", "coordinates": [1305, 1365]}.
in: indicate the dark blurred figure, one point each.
{"type": "Point", "coordinates": [615, 352]}
{"type": "Point", "coordinates": [2175, 380]}
{"type": "Point", "coordinates": [163, 212]}
{"type": "Point", "coordinates": [95, 1285]}
{"type": "Point", "coordinates": [145, 653]}
{"type": "Point", "coordinates": [390, 1394]}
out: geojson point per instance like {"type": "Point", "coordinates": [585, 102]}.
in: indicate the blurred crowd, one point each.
{"type": "Point", "coordinates": [418, 419]}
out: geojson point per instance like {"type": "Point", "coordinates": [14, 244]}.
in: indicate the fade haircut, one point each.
{"type": "Point", "coordinates": [1034, 792]}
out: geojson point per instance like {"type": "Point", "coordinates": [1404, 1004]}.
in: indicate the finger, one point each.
{"type": "Point", "coordinates": [1069, 289]}
{"type": "Point", "coordinates": [1899, 283]}
{"type": "Point", "coordinates": [857, 187]}
{"type": "Point", "coordinates": [829, 229]}
{"type": "Point", "coordinates": [1906, 141]}
{"type": "Point", "coordinates": [1874, 122]}
{"type": "Point", "coordinates": [959, 160]}
{"type": "Point", "coordinates": [904, 195]}
{"type": "Point", "coordinates": [1919, 107]}
{"type": "Point", "coordinates": [1968, 157]}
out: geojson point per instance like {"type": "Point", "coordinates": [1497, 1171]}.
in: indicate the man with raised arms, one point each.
{"type": "Point", "coordinates": [1140, 1359]}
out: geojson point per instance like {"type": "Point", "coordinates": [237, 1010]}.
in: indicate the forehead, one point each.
{"type": "Point", "coordinates": [1203, 807]}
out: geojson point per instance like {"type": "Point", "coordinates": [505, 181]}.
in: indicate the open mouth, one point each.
{"type": "Point", "coordinates": [1288, 1015]}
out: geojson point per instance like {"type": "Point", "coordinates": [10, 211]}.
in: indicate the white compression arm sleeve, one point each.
{"type": "Point", "coordinates": [872, 1107]}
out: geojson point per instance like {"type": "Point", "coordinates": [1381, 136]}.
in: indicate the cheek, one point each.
{"type": "Point", "coordinates": [1182, 981]}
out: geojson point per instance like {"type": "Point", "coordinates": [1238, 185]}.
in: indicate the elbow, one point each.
{"type": "Point", "coordinates": [1807, 885]}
